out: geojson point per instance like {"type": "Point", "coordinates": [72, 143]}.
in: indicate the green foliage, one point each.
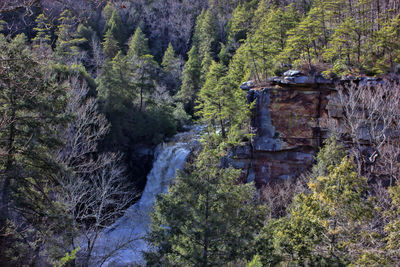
{"type": "Point", "coordinates": [388, 40]}
{"type": "Point", "coordinates": [223, 55]}
{"type": "Point", "coordinates": [172, 68]}
{"type": "Point", "coordinates": [240, 23]}
{"type": "Point", "coordinates": [342, 194]}
{"type": "Point", "coordinates": [330, 155]}
{"type": "Point", "coordinates": [116, 94]}
{"type": "Point", "coordinates": [67, 46]}
{"type": "Point", "coordinates": [269, 40]}
{"type": "Point", "coordinates": [207, 34]}
{"type": "Point", "coordinates": [32, 102]}
{"type": "Point", "coordinates": [68, 257]}
{"type": "Point", "coordinates": [264, 245]}
{"type": "Point", "coordinates": [110, 45]}
{"type": "Point", "coordinates": [372, 259]}
{"type": "Point", "coordinates": [142, 67]}
{"type": "Point", "coordinates": [222, 105]}
{"type": "Point", "coordinates": [344, 45]}
{"type": "Point", "coordinates": [154, 125]}
{"type": "Point", "coordinates": [322, 226]}
{"type": "Point", "coordinates": [143, 70]}
{"type": "Point", "coordinates": [302, 42]}
{"type": "Point", "coordinates": [63, 72]}
{"type": "Point", "coordinates": [114, 25]}
{"type": "Point", "coordinates": [138, 46]}
{"type": "Point", "coordinates": [127, 89]}
{"type": "Point", "coordinates": [255, 262]}
{"type": "Point", "coordinates": [191, 80]}
{"type": "Point", "coordinates": [206, 218]}
{"type": "Point", "coordinates": [169, 59]}
{"type": "Point", "coordinates": [205, 41]}
{"type": "Point", "coordinates": [239, 69]}
{"type": "Point", "coordinates": [297, 235]}
{"type": "Point", "coordinates": [180, 115]}
{"type": "Point", "coordinates": [108, 11]}
{"type": "Point", "coordinates": [393, 227]}
{"type": "Point", "coordinates": [42, 39]}
{"type": "Point", "coordinates": [203, 51]}
{"type": "Point", "coordinates": [2, 23]}
{"type": "Point", "coordinates": [114, 33]}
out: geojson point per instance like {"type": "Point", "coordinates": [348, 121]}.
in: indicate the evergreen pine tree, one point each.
{"type": "Point", "coordinates": [239, 70]}
{"type": "Point", "coordinates": [110, 45]}
{"type": "Point", "coordinates": [344, 48]}
{"type": "Point", "coordinates": [142, 66]}
{"type": "Point", "coordinates": [115, 27]}
{"type": "Point", "coordinates": [67, 46]}
{"type": "Point", "coordinates": [323, 226]}
{"type": "Point", "coordinates": [172, 68]}
{"type": "Point", "coordinates": [222, 105]}
{"type": "Point", "coordinates": [269, 40]}
{"type": "Point", "coordinates": [32, 103]}
{"type": "Point", "coordinates": [388, 39]}
{"type": "Point", "coordinates": [191, 80]}
{"type": "Point", "coordinates": [240, 24]}
{"type": "Point", "coordinates": [138, 46]}
{"type": "Point", "coordinates": [169, 60]}
{"type": "Point", "coordinates": [223, 55]}
{"type": "Point", "coordinates": [205, 67]}
{"type": "Point", "coordinates": [302, 43]}
{"type": "Point", "coordinates": [107, 11]}
{"type": "Point", "coordinates": [116, 94]}
{"type": "Point", "coordinates": [196, 39]}
{"type": "Point", "coordinates": [392, 228]}
{"type": "Point", "coordinates": [207, 41]}
{"type": "Point", "coordinates": [206, 218]}
{"type": "Point", "coordinates": [42, 39]}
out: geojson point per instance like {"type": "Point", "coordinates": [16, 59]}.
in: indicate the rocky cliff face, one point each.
{"type": "Point", "coordinates": [290, 120]}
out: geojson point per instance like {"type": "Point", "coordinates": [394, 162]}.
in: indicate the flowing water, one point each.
{"type": "Point", "coordinates": [127, 232]}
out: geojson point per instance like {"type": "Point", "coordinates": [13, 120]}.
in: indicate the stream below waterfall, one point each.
{"type": "Point", "coordinates": [123, 239]}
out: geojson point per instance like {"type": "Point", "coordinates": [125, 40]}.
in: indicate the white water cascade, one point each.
{"type": "Point", "coordinates": [123, 239]}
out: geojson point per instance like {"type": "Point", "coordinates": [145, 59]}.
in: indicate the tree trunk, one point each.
{"type": "Point", "coordinates": [206, 241]}
{"type": "Point", "coordinates": [5, 194]}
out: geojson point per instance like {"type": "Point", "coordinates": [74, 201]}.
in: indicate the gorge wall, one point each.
{"type": "Point", "coordinates": [290, 120]}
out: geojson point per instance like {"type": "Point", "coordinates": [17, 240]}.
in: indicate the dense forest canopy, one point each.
{"type": "Point", "coordinates": [87, 86]}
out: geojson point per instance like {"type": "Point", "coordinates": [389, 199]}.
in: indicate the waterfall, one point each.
{"type": "Point", "coordinates": [127, 232]}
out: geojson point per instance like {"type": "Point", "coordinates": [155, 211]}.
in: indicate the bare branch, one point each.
{"type": "Point", "coordinates": [94, 189]}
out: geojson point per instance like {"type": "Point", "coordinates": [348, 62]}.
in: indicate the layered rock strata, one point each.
{"type": "Point", "coordinates": [290, 120]}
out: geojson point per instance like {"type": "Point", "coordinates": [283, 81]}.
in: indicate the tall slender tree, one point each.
{"type": "Point", "coordinates": [191, 80]}
{"type": "Point", "coordinates": [222, 105]}
{"type": "Point", "coordinates": [172, 69]}
{"type": "Point", "coordinates": [33, 102]}
{"type": "Point", "coordinates": [42, 39]}
{"type": "Point", "coordinates": [114, 25]}
{"type": "Point", "coordinates": [67, 45]}
{"type": "Point", "coordinates": [206, 218]}
{"type": "Point", "coordinates": [110, 45]}
{"type": "Point", "coordinates": [142, 66]}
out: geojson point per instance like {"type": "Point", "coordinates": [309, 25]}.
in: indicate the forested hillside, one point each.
{"type": "Point", "coordinates": [90, 88]}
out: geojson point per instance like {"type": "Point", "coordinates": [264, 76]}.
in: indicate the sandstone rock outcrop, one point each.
{"type": "Point", "coordinates": [290, 120]}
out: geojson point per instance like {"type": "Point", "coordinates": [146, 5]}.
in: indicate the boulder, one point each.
{"type": "Point", "coordinates": [291, 73]}
{"type": "Point", "coordinates": [300, 80]}
{"type": "Point", "coordinates": [247, 85]}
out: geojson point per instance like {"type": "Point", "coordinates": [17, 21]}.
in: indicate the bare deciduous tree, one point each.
{"type": "Point", "coordinates": [93, 189]}
{"type": "Point", "coordinates": [14, 5]}
{"type": "Point", "coordinates": [98, 55]}
{"type": "Point", "coordinates": [371, 116]}
{"type": "Point", "coordinates": [278, 196]}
